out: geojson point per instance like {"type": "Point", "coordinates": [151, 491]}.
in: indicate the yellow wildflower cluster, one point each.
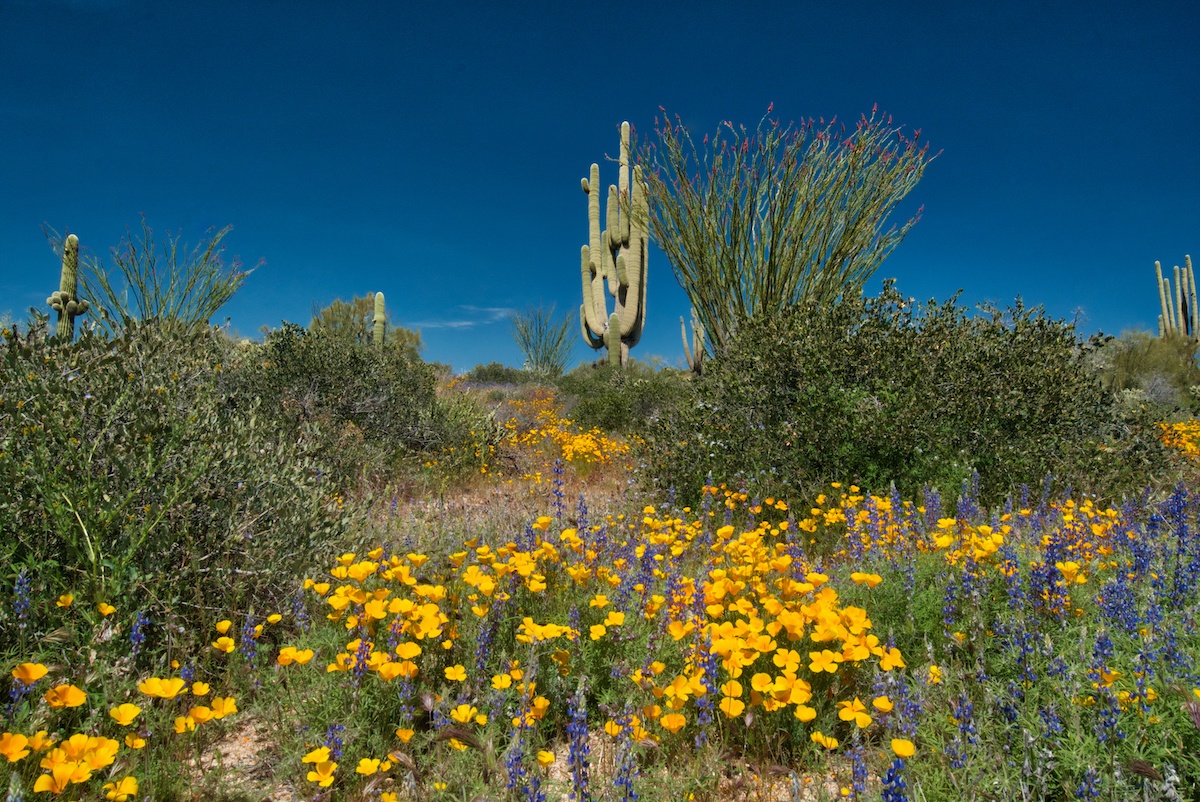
{"type": "Point", "coordinates": [558, 436]}
{"type": "Point", "coordinates": [74, 760]}
{"type": "Point", "coordinates": [1183, 437]}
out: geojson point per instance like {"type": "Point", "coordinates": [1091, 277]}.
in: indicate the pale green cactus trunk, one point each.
{"type": "Point", "coordinates": [616, 256]}
{"type": "Point", "coordinates": [1177, 308]}
{"type": "Point", "coordinates": [694, 356]}
{"type": "Point", "coordinates": [64, 301]}
{"type": "Point", "coordinates": [380, 321]}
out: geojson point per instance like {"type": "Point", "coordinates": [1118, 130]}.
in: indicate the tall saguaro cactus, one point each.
{"type": "Point", "coordinates": [64, 301]}
{"type": "Point", "coordinates": [616, 255]}
{"type": "Point", "coordinates": [1178, 312]}
{"type": "Point", "coordinates": [380, 321]}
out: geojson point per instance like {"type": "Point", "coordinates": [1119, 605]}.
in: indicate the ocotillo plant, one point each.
{"type": "Point", "coordinates": [616, 255]}
{"type": "Point", "coordinates": [1178, 312]}
{"type": "Point", "coordinates": [64, 301]}
{"type": "Point", "coordinates": [380, 320]}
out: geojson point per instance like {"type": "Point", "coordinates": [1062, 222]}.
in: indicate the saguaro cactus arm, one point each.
{"type": "Point", "coordinates": [1164, 291]}
{"type": "Point", "coordinates": [64, 301]}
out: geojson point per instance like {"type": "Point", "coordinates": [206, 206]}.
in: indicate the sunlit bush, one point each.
{"type": "Point", "coordinates": [124, 468]}
{"type": "Point", "coordinates": [885, 390]}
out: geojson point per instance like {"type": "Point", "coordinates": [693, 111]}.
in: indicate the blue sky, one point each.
{"type": "Point", "coordinates": [433, 151]}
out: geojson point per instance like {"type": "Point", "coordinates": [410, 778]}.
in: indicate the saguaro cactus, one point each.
{"type": "Point", "coordinates": [380, 321]}
{"type": "Point", "coordinates": [1178, 312]}
{"type": "Point", "coordinates": [695, 355]}
{"type": "Point", "coordinates": [616, 255]}
{"type": "Point", "coordinates": [64, 301]}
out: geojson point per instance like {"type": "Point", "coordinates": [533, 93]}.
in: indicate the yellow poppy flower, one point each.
{"type": "Point", "coordinates": [672, 722]}
{"type": "Point", "coordinates": [62, 775]}
{"type": "Point", "coordinates": [122, 790]}
{"type": "Point", "coordinates": [405, 734]}
{"type": "Point", "coordinates": [545, 759]}
{"type": "Point", "coordinates": [40, 741]}
{"type": "Point", "coordinates": [162, 688]}
{"type": "Point", "coordinates": [456, 673]}
{"type": "Point", "coordinates": [200, 689]}
{"type": "Point", "coordinates": [13, 746]}
{"type": "Point", "coordinates": [65, 696]}
{"type": "Point", "coordinates": [65, 600]}
{"type": "Point", "coordinates": [732, 707]}
{"type": "Point", "coordinates": [200, 714]}
{"type": "Point", "coordinates": [223, 626]}
{"type": "Point", "coordinates": [105, 609]}
{"type": "Point", "coordinates": [223, 706]}
{"type": "Point", "coordinates": [804, 713]}
{"type": "Point", "coordinates": [322, 773]}
{"type": "Point", "coordinates": [367, 766]}
{"type": "Point", "coordinates": [903, 747]}
{"type": "Point", "coordinates": [124, 714]}
{"type": "Point", "coordinates": [134, 741]}
{"type": "Point", "coordinates": [29, 673]}
{"type": "Point", "coordinates": [224, 644]}
{"type": "Point", "coordinates": [318, 755]}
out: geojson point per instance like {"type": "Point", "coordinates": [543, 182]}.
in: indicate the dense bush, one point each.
{"type": "Point", "coordinates": [124, 470]}
{"type": "Point", "coordinates": [383, 412]}
{"type": "Point", "coordinates": [497, 373]}
{"type": "Point", "coordinates": [376, 405]}
{"type": "Point", "coordinates": [882, 390]}
{"type": "Point", "coordinates": [622, 399]}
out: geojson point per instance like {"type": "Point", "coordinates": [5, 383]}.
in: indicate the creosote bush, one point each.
{"type": "Point", "coordinates": [883, 390]}
{"type": "Point", "coordinates": [626, 400]}
{"type": "Point", "coordinates": [125, 471]}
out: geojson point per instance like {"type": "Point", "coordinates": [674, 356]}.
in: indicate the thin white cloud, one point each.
{"type": "Point", "coordinates": [483, 316]}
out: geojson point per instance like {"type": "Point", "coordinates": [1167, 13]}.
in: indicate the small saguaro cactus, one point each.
{"type": "Point", "coordinates": [694, 356]}
{"type": "Point", "coordinates": [380, 321]}
{"type": "Point", "coordinates": [616, 255]}
{"type": "Point", "coordinates": [64, 301]}
{"type": "Point", "coordinates": [1177, 312]}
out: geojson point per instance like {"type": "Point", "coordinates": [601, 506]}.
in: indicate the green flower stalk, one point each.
{"type": "Point", "coordinates": [65, 301]}
{"type": "Point", "coordinates": [616, 256]}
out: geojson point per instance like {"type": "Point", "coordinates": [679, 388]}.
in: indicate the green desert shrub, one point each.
{"type": "Point", "coordinates": [125, 471]}
{"type": "Point", "coordinates": [375, 406]}
{"type": "Point", "coordinates": [882, 390]}
{"type": "Point", "coordinates": [497, 373]}
{"type": "Point", "coordinates": [622, 399]}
